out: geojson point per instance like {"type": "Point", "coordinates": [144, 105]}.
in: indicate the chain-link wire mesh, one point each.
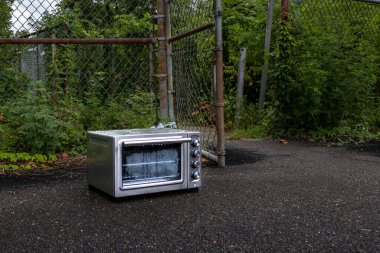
{"type": "Point", "coordinates": [187, 15]}
{"type": "Point", "coordinates": [78, 87]}
{"type": "Point", "coordinates": [121, 67]}
{"type": "Point", "coordinates": [358, 19]}
{"type": "Point", "coordinates": [32, 62]}
{"type": "Point", "coordinates": [362, 17]}
{"type": "Point", "coordinates": [193, 67]}
{"type": "Point", "coordinates": [81, 19]}
{"type": "Point", "coordinates": [194, 86]}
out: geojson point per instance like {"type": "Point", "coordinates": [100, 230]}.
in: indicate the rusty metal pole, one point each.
{"type": "Point", "coordinates": [169, 51]}
{"type": "Point", "coordinates": [194, 31]}
{"type": "Point", "coordinates": [285, 10]}
{"type": "Point", "coordinates": [75, 40]}
{"type": "Point", "coordinates": [219, 105]}
{"type": "Point", "coordinates": [162, 59]}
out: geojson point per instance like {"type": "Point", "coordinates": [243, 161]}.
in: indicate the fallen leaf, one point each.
{"type": "Point", "coordinates": [64, 155]}
{"type": "Point", "coordinates": [205, 106]}
{"type": "Point", "coordinates": [283, 141]}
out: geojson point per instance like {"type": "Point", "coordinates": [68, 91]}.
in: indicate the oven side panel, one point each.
{"type": "Point", "coordinates": [100, 163]}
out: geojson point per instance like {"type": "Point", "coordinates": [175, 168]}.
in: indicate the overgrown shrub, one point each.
{"type": "Point", "coordinates": [324, 69]}
{"type": "Point", "coordinates": [68, 112]}
{"type": "Point", "coordinates": [31, 124]}
{"type": "Point", "coordinates": [321, 78]}
{"type": "Point", "coordinates": [134, 111]}
{"type": "Point", "coordinates": [12, 84]}
{"type": "Point", "coordinates": [248, 112]}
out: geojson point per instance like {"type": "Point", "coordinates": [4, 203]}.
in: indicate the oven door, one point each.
{"type": "Point", "coordinates": [152, 162]}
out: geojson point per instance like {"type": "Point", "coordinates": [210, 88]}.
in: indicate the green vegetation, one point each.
{"type": "Point", "coordinates": [86, 87]}
{"type": "Point", "coordinates": [324, 72]}
{"type": "Point", "coordinates": [324, 80]}
{"type": "Point", "coordinates": [16, 161]}
{"type": "Point", "coordinates": [255, 131]}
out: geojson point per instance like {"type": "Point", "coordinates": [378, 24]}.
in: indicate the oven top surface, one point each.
{"type": "Point", "coordinates": [135, 132]}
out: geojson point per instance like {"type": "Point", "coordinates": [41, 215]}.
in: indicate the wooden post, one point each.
{"type": "Point", "coordinates": [240, 85]}
{"type": "Point", "coordinates": [268, 35]}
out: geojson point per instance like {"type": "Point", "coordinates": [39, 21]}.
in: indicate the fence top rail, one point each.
{"type": "Point", "coordinates": [76, 41]}
{"type": "Point", "coordinates": [194, 31]}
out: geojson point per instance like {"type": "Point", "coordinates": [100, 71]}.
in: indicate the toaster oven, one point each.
{"type": "Point", "coordinates": [139, 161]}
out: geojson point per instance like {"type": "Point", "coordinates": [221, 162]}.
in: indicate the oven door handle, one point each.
{"type": "Point", "coordinates": [134, 142]}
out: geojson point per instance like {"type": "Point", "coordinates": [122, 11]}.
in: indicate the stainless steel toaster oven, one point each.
{"type": "Point", "coordinates": [139, 161]}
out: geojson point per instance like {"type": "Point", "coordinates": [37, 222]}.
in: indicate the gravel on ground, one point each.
{"type": "Point", "coordinates": [271, 197]}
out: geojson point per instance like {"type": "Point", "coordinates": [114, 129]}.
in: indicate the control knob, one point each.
{"type": "Point", "coordinates": [195, 175]}
{"type": "Point", "coordinates": [196, 153]}
{"type": "Point", "coordinates": [195, 164]}
{"type": "Point", "coordinates": [195, 143]}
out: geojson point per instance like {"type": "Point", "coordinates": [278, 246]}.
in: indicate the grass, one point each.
{"type": "Point", "coordinates": [253, 132]}
{"type": "Point", "coordinates": [335, 136]}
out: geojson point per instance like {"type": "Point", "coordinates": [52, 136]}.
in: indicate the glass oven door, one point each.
{"type": "Point", "coordinates": [151, 164]}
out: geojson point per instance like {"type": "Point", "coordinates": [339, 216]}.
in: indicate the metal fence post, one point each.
{"type": "Point", "coordinates": [219, 105]}
{"type": "Point", "coordinates": [169, 52]}
{"type": "Point", "coordinates": [53, 84]}
{"type": "Point", "coordinates": [240, 85]}
{"type": "Point", "coordinates": [162, 59]}
{"type": "Point", "coordinates": [268, 35]}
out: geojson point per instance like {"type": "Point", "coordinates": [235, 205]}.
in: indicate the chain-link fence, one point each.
{"type": "Point", "coordinates": [193, 68]}
{"type": "Point", "coordinates": [99, 65]}
{"type": "Point", "coordinates": [362, 16]}
{"type": "Point", "coordinates": [357, 19]}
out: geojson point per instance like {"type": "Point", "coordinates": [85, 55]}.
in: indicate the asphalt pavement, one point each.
{"type": "Point", "coordinates": [271, 197]}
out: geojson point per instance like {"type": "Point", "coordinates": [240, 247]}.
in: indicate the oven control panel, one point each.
{"type": "Point", "coordinates": [195, 157]}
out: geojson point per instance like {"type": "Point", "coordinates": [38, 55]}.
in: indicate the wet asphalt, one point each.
{"type": "Point", "coordinates": [271, 198]}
